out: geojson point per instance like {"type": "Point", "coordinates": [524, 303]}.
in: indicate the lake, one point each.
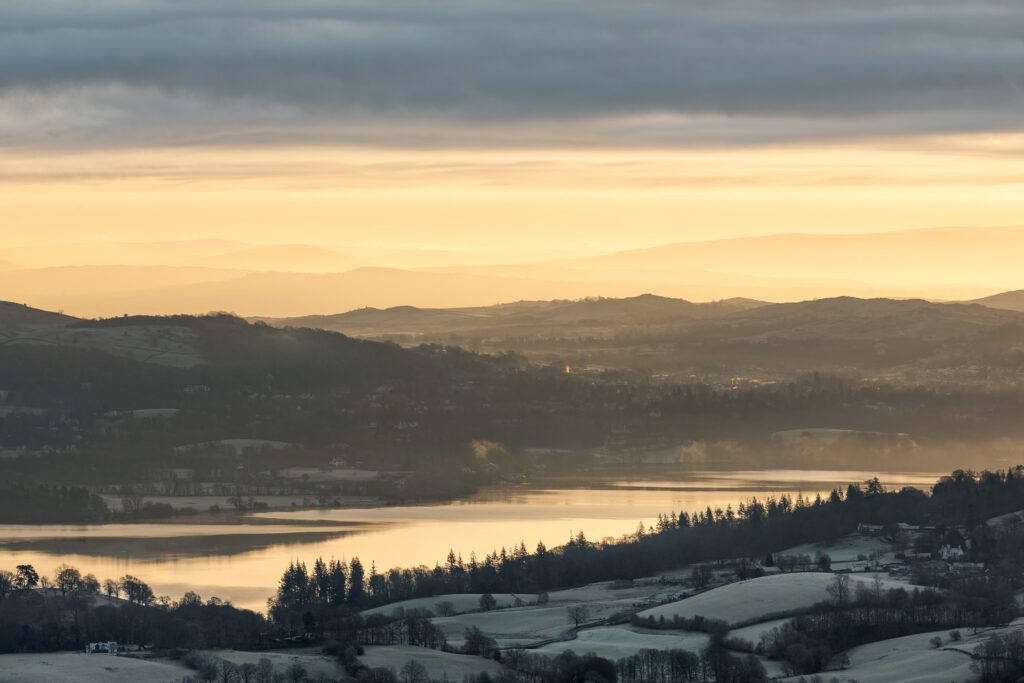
{"type": "Point", "coordinates": [242, 562]}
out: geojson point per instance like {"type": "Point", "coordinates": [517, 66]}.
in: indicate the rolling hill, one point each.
{"type": "Point", "coordinates": [1010, 301]}
{"type": "Point", "coordinates": [913, 339]}
{"type": "Point", "coordinates": [853, 318]}
{"type": "Point", "coordinates": [601, 364]}
{"type": "Point", "coordinates": [17, 317]}
{"type": "Point", "coordinates": [237, 350]}
{"type": "Point", "coordinates": [522, 318]}
{"type": "Point", "coordinates": [732, 319]}
{"type": "Point", "coordinates": [733, 338]}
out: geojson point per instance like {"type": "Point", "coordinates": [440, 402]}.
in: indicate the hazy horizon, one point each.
{"type": "Point", "coordinates": [395, 132]}
{"type": "Point", "coordinates": [105, 278]}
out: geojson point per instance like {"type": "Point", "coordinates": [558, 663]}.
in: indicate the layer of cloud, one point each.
{"type": "Point", "coordinates": [548, 72]}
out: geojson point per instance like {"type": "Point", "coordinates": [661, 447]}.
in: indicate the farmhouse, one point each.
{"type": "Point", "coordinates": [109, 647]}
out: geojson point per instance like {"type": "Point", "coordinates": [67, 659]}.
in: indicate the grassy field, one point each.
{"type": "Point", "coordinates": [163, 345]}
{"type": "Point", "coordinates": [460, 603]}
{"type": "Point", "coordinates": [315, 663]}
{"type": "Point", "coordinates": [438, 664]}
{"type": "Point", "coordinates": [76, 667]}
{"type": "Point", "coordinates": [748, 601]}
{"type": "Point", "coordinates": [911, 659]}
{"type": "Point", "coordinates": [615, 642]}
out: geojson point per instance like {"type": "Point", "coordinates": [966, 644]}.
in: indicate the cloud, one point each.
{"type": "Point", "coordinates": [515, 72]}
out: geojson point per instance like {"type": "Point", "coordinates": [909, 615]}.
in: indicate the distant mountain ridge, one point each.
{"type": "Point", "coordinates": [294, 280]}
{"type": "Point", "coordinates": [644, 309]}
{"type": "Point", "coordinates": [97, 291]}
{"type": "Point", "coordinates": [935, 255]}
{"type": "Point", "coordinates": [728, 338]}
{"type": "Point", "coordinates": [820, 317]}
{"type": "Point", "coordinates": [912, 339]}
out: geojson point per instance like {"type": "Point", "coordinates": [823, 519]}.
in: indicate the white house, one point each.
{"type": "Point", "coordinates": [951, 553]}
{"type": "Point", "coordinates": [109, 647]}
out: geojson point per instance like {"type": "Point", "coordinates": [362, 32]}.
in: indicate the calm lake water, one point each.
{"type": "Point", "coordinates": [242, 562]}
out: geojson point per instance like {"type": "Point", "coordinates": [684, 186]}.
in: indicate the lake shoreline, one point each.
{"type": "Point", "coordinates": [240, 556]}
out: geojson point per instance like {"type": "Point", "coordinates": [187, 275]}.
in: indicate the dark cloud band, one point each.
{"type": "Point", "coordinates": [668, 70]}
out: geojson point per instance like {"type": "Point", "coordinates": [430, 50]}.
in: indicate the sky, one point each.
{"type": "Point", "coordinates": [573, 125]}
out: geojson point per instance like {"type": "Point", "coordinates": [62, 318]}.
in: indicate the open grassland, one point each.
{"type": "Point", "coordinates": [911, 659]}
{"type": "Point", "coordinates": [76, 667]}
{"type": "Point", "coordinates": [460, 603]}
{"type": "Point", "coordinates": [847, 549]}
{"type": "Point", "coordinates": [748, 601]}
{"type": "Point", "coordinates": [162, 344]}
{"type": "Point", "coordinates": [437, 663]}
{"type": "Point", "coordinates": [312, 660]}
{"type": "Point", "coordinates": [615, 642]}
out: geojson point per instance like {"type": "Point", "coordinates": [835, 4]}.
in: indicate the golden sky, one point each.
{"type": "Point", "coordinates": [580, 126]}
{"type": "Point", "coordinates": [588, 200]}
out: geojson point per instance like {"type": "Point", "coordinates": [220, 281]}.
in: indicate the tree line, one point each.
{"type": "Point", "coordinates": [754, 530]}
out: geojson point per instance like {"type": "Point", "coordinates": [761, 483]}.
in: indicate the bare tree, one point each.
{"type": "Point", "coordinates": [228, 671]}
{"type": "Point", "coordinates": [487, 602]}
{"type": "Point", "coordinates": [701, 575]}
{"type": "Point", "coordinates": [578, 614]}
{"type": "Point", "coordinates": [414, 672]}
{"type": "Point", "coordinates": [247, 672]}
{"type": "Point", "coordinates": [264, 670]}
{"type": "Point", "coordinates": [876, 586]}
{"type": "Point", "coordinates": [8, 581]}
{"type": "Point", "coordinates": [296, 672]}
{"type": "Point", "coordinates": [131, 504]}
{"type": "Point", "coordinates": [839, 590]}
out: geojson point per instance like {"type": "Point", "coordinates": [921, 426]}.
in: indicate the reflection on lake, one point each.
{"type": "Point", "coordinates": [242, 562]}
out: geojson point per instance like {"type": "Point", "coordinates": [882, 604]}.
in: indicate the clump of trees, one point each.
{"type": "Point", "coordinates": [715, 663]}
{"type": "Point", "coordinates": [1000, 659]}
{"type": "Point", "coordinates": [24, 504]}
{"type": "Point", "coordinates": [567, 667]}
{"type": "Point", "coordinates": [38, 614]}
{"type": "Point", "coordinates": [325, 602]}
{"type": "Point", "coordinates": [807, 643]}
